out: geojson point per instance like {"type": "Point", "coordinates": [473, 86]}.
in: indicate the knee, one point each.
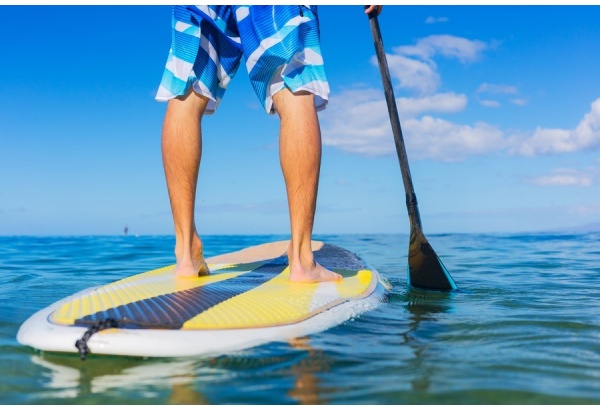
{"type": "Point", "coordinates": [190, 105]}
{"type": "Point", "coordinates": [286, 102]}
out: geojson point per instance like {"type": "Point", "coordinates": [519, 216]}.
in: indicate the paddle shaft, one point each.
{"type": "Point", "coordinates": [411, 198]}
{"type": "Point", "coordinates": [425, 269]}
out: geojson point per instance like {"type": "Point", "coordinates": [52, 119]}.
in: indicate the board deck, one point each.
{"type": "Point", "coordinates": [245, 301]}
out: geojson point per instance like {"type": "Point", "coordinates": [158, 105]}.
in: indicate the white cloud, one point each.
{"type": "Point", "coordinates": [519, 101]}
{"type": "Point", "coordinates": [446, 45]}
{"type": "Point", "coordinates": [447, 141]}
{"type": "Point", "coordinates": [356, 104]}
{"type": "Point", "coordinates": [557, 141]}
{"type": "Point", "coordinates": [413, 74]}
{"type": "Point", "coordinates": [358, 121]}
{"type": "Point", "coordinates": [445, 102]}
{"type": "Point", "coordinates": [414, 68]}
{"type": "Point", "coordinates": [566, 177]}
{"type": "Point", "coordinates": [433, 20]}
{"type": "Point", "coordinates": [489, 103]}
{"type": "Point", "coordinates": [500, 89]}
{"type": "Point", "coordinates": [497, 89]}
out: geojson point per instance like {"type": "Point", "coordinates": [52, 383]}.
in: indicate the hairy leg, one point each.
{"type": "Point", "coordinates": [181, 153]}
{"type": "Point", "coordinates": [300, 157]}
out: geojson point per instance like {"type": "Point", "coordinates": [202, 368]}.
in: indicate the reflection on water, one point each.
{"type": "Point", "coordinates": [306, 383]}
{"type": "Point", "coordinates": [69, 377]}
{"type": "Point", "coordinates": [424, 309]}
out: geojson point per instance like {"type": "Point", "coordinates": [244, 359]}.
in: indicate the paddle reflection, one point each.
{"type": "Point", "coordinates": [425, 308]}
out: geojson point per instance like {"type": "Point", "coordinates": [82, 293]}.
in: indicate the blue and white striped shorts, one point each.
{"type": "Point", "coordinates": [280, 45]}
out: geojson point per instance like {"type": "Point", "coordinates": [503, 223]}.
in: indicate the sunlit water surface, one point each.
{"type": "Point", "coordinates": [523, 329]}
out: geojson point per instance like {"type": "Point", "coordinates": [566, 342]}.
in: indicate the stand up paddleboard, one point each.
{"type": "Point", "coordinates": [247, 300]}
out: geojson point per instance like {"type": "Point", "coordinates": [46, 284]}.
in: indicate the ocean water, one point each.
{"type": "Point", "coordinates": [523, 329]}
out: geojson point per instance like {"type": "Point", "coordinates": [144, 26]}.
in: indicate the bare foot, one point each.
{"type": "Point", "coordinates": [306, 270]}
{"type": "Point", "coordinates": [315, 274]}
{"type": "Point", "coordinates": [191, 269]}
{"type": "Point", "coordinates": [191, 264]}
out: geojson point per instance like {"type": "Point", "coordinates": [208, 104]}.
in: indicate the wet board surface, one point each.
{"type": "Point", "coordinates": [246, 300]}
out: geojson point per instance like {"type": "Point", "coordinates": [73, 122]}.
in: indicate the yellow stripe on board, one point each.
{"type": "Point", "coordinates": [356, 285]}
{"type": "Point", "coordinates": [278, 302]}
{"type": "Point", "coordinates": [139, 287]}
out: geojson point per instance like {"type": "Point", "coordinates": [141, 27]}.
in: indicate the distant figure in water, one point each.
{"type": "Point", "coordinates": [126, 230]}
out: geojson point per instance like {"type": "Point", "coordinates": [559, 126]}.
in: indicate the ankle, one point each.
{"type": "Point", "coordinates": [304, 260]}
{"type": "Point", "coordinates": [193, 250]}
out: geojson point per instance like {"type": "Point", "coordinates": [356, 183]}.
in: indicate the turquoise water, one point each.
{"type": "Point", "coordinates": [524, 329]}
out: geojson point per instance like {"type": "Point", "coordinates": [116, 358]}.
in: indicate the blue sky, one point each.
{"type": "Point", "coordinates": [500, 108]}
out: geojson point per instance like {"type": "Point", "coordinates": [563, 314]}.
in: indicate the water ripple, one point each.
{"type": "Point", "coordinates": [523, 328]}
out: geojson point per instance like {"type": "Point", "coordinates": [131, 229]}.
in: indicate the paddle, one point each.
{"type": "Point", "coordinates": [425, 269]}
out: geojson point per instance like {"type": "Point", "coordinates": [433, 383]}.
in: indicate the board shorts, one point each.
{"type": "Point", "coordinates": [280, 45]}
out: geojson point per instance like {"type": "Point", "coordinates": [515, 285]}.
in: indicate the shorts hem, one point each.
{"type": "Point", "coordinates": [199, 88]}
{"type": "Point", "coordinates": [321, 98]}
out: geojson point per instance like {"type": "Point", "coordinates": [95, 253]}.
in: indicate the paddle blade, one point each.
{"type": "Point", "coordinates": [425, 269]}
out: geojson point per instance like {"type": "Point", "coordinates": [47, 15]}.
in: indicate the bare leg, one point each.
{"type": "Point", "coordinates": [181, 152]}
{"type": "Point", "coordinates": [300, 157]}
